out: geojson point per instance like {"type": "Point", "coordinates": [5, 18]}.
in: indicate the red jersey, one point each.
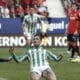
{"type": "Point", "coordinates": [78, 18]}
{"type": "Point", "coordinates": [72, 22]}
{"type": "Point", "coordinates": [3, 2]}
{"type": "Point", "coordinates": [69, 10]}
{"type": "Point", "coordinates": [25, 1]}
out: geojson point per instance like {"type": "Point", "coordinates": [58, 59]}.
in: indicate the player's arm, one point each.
{"type": "Point", "coordinates": [66, 32]}
{"type": "Point", "coordinates": [24, 26]}
{"type": "Point", "coordinates": [52, 56]}
{"type": "Point", "coordinates": [16, 58]}
{"type": "Point", "coordinates": [40, 21]}
{"type": "Point", "coordinates": [42, 24]}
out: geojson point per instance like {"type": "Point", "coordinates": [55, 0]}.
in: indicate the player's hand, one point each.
{"type": "Point", "coordinates": [11, 49]}
{"type": "Point", "coordinates": [60, 55]}
{"type": "Point", "coordinates": [75, 33]}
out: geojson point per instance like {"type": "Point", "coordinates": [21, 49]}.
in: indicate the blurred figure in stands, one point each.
{"type": "Point", "coordinates": [11, 6]}
{"type": "Point", "coordinates": [4, 11]}
{"type": "Point", "coordinates": [19, 12]}
{"type": "Point", "coordinates": [44, 39]}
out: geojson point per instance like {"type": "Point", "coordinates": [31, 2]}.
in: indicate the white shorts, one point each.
{"type": "Point", "coordinates": [39, 70]}
{"type": "Point", "coordinates": [28, 35]}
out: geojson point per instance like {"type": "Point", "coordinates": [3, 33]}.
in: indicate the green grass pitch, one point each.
{"type": "Point", "coordinates": [63, 69]}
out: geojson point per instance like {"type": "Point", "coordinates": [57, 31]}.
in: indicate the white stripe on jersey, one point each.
{"type": "Point", "coordinates": [38, 57]}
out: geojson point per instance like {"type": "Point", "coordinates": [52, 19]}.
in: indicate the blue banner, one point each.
{"type": "Point", "coordinates": [13, 25]}
{"type": "Point", "coordinates": [56, 25]}
{"type": "Point", "coordinates": [10, 26]}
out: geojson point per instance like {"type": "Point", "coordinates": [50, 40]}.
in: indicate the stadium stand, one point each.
{"type": "Point", "coordinates": [18, 8]}
{"type": "Point", "coordinates": [67, 4]}
{"type": "Point", "coordinates": [54, 9]}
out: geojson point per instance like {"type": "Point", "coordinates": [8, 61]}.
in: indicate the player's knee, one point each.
{"type": "Point", "coordinates": [34, 78]}
{"type": "Point", "coordinates": [51, 78]}
{"type": "Point", "coordinates": [49, 75]}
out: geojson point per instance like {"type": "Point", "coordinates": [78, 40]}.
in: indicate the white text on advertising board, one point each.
{"type": "Point", "coordinates": [6, 41]}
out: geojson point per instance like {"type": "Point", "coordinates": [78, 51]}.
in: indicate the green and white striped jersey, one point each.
{"type": "Point", "coordinates": [31, 23]}
{"type": "Point", "coordinates": [38, 57]}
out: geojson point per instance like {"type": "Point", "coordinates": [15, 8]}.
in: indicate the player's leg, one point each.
{"type": "Point", "coordinates": [49, 74]}
{"type": "Point", "coordinates": [35, 76]}
{"type": "Point", "coordinates": [69, 43]}
{"type": "Point", "coordinates": [76, 49]}
{"type": "Point", "coordinates": [74, 45]}
{"type": "Point", "coordinates": [28, 40]}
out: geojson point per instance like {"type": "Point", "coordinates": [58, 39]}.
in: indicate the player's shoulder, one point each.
{"type": "Point", "coordinates": [26, 16]}
{"type": "Point", "coordinates": [36, 15]}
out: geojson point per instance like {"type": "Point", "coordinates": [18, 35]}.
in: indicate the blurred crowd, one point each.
{"type": "Point", "coordinates": [19, 8]}
{"type": "Point", "coordinates": [68, 3]}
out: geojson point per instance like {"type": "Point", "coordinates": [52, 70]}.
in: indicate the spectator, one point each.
{"type": "Point", "coordinates": [12, 9]}
{"type": "Point", "coordinates": [3, 3]}
{"type": "Point", "coordinates": [19, 12]}
{"type": "Point", "coordinates": [26, 9]}
{"type": "Point", "coordinates": [5, 12]}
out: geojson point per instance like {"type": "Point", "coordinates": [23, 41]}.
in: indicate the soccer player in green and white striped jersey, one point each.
{"type": "Point", "coordinates": [30, 24]}
{"type": "Point", "coordinates": [38, 59]}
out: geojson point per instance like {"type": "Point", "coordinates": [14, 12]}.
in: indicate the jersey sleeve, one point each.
{"type": "Point", "coordinates": [20, 58]}
{"type": "Point", "coordinates": [52, 56]}
{"type": "Point", "coordinates": [39, 19]}
{"type": "Point", "coordinates": [24, 20]}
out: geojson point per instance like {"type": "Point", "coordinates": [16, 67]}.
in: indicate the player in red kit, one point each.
{"type": "Point", "coordinates": [78, 35]}
{"type": "Point", "coordinates": [72, 30]}
{"type": "Point", "coordinates": [78, 25]}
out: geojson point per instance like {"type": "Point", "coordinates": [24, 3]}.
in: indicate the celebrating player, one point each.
{"type": "Point", "coordinates": [38, 59]}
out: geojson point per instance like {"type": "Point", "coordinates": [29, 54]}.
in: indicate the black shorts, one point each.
{"type": "Point", "coordinates": [71, 38]}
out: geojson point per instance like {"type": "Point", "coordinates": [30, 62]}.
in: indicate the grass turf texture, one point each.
{"type": "Point", "coordinates": [64, 69]}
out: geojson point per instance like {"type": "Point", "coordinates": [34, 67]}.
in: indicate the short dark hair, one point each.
{"type": "Point", "coordinates": [38, 36]}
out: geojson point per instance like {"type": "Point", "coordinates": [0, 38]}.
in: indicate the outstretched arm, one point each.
{"type": "Point", "coordinates": [52, 56]}
{"type": "Point", "coordinates": [16, 58]}
{"type": "Point", "coordinates": [4, 60]}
